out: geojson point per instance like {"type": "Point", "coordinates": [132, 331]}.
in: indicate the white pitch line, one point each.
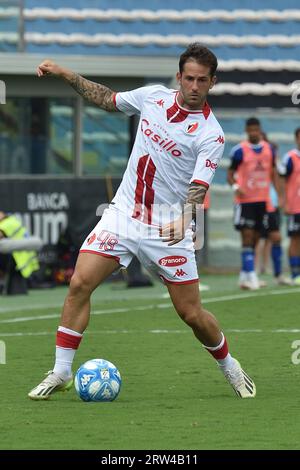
{"type": "Point", "coordinates": [110, 332]}
{"type": "Point", "coordinates": [4, 310]}
{"type": "Point", "coordinates": [19, 333]}
{"type": "Point", "coordinates": [111, 310]}
{"type": "Point", "coordinates": [223, 298]}
{"type": "Point", "coordinates": [96, 312]}
{"type": "Point", "coordinates": [37, 317]}
{"type": "Point", "coordinates": [251, 295]}
{"type": "Point", "coordinates": [24, 308]}
{"type": "Point", "coordinates": [285, 291]}
{"type": "Point", "coordinates": [248, 295]}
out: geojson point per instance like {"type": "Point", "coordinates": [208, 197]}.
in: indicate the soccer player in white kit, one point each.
{"type": "Point", "coordinates": [176, 152]}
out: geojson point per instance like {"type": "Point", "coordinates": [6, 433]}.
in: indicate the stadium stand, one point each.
{"type": "Point", "coordinates": [157, 30]}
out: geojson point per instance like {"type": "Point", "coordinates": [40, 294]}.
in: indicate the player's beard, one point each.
{"type": "Point", "coordinates": [196, 104]}
{"type": "Point", "coordinates": [193, 103]}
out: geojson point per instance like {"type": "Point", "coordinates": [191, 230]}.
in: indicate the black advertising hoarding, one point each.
{"type": "Point", "coordinates": [48, 207]}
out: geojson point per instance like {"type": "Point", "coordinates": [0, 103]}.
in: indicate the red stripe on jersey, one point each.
{"type": "Point", "coordinates": [176, 114]}
{"type": "Point", "coordinates": [149, 195]}
{"type": "Point", "coordinates": [138, 199]}
{"type": "Point", "coordinates": [172, 110]}
{"type": "Point", "coordinates": [65, 340]}
{"type": "Point", "coordinates": [181, 116]}
{"type": "Point", "coordinates": [206, 110]}
{"type": "Point", "coordinates": [180, 113]}
{"type": "Point", "coordinates": [201, 182]}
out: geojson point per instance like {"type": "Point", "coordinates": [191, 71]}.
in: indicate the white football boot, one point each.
{"type": "Point", "coordinates": [243, 280]}
{"type": "Point", "coordinates": [51, 384]}
{"type": "Point", "coordinates": [283, 281]}
{"type": "Point", "coordinates": [241, 383]}
{"type": "Point", "coordinates": [254, 282]}
{"type": "Point", "coordinates": [248, 281]}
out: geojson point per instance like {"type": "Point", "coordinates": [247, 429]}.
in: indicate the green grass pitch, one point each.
{"type": "Point", "coordinates": [172, 396]}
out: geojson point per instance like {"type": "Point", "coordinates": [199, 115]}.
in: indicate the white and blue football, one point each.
{"type": "Point", "coordinates": [98, 380]}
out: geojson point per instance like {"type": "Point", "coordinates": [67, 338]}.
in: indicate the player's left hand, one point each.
{"type": "Point", "coordinates": [173, 233]}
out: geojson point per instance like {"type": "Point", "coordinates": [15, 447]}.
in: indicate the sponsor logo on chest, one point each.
{"type": "Point", "coordinates": [165, 143]}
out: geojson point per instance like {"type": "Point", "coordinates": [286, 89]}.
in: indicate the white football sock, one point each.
{"type": "Point", "coordinates": [67, 342]}
{"type": "Point", "coordinates": [63, 361]}
{"type": "Point", "coordinates": [227, 362]}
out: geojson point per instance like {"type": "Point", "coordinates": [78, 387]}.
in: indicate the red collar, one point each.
{"type": "Point", "coordinates": [205, 110]}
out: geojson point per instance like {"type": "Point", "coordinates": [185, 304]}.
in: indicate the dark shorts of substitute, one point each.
{"type": "Point", "coordinates": [249, 215]}
{"type": "Point", "coordinates": [271, 223]}
{"type": "Point", "coordinates": [293, 224]}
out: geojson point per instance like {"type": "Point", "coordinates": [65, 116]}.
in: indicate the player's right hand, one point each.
{"type": "Point", "coordinates": [48, 67]}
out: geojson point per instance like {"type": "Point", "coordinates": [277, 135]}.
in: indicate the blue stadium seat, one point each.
{"type": "Point", "coordinates": [39, 24]}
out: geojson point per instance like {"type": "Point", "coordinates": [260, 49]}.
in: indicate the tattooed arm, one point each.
{"type": "Point", "coordinates": [209, 152]}
{"type": "Point", "coordinates": [196, 195]}
{"type": "Point", "coordinates": [175, 231]}
{"type": "Point", "coordinates": [95, 93]}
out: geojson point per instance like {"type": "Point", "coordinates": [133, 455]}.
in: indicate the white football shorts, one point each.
{"type": "Point", "coordinates": [119, 236]}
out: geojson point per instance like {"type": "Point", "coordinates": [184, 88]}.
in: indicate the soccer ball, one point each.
{"type": "Point", "coordinates": [98, 380]}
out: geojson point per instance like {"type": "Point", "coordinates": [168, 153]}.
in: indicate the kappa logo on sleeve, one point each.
{"type": "Point", "coordinates": [220, 139]}
{"type": "Point", "coordinates": [160, 103]}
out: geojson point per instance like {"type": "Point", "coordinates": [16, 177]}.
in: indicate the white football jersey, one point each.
{"type": "Point", "coordinates": [173, 147]}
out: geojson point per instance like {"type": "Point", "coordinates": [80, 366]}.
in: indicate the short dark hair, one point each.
{"type": "Point", "coordinates": [297, 132]}
{"type": "Point", "coordinates": [200, 54]}
{"type": "Point", "coordinates": [253, 121]}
